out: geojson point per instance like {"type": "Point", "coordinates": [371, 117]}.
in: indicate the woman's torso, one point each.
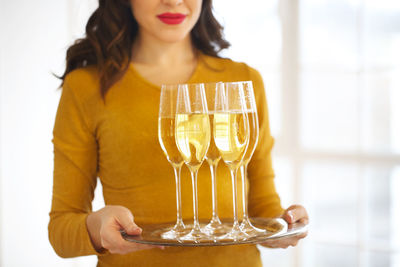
{"type": "Point", "coordinates": [135, 173]}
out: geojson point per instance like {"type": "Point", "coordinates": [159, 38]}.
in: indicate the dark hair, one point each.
{"type": "Point", "coordinates": [111, 31]}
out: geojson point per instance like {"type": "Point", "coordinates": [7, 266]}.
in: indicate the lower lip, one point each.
{"type": "Point", "coordinates": [172, 20]}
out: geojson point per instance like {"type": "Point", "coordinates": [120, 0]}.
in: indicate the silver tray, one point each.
{"type": "Point", "coordinates": [276, 229]}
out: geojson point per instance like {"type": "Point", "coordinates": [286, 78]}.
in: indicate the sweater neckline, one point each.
{"type": "Point", "coordinates": [192, 78]}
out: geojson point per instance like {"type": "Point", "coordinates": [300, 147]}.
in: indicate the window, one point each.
{"type": "Point", "coordinates": [331, 70]}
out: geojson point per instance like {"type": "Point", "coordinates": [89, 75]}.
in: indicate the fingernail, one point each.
{"type": "Point", "coordinates": [290, 214]}
{"type": "Point", "coordinates": [136, 229]}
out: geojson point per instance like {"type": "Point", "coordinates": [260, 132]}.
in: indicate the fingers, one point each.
{"type": "Point", "coordinates": [284, 243]}
{"type": "Point", "coordinates": [296, 213]}
{"type": "Point", "coordinates": [279, 244]}
{"type": "Point", "coordinates": [112, 240]}
{"type": "Point", "coordinates": [115, 218]}
{"type": "Point", "coordinates": [125, 219]}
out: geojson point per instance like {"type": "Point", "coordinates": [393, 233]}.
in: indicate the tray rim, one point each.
{"type": "Point", "coordinates": [288, 230]}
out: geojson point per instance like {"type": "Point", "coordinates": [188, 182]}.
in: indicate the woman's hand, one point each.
{"type": "Point", "coordinates": [104, 228]}
{"type": "Point", "coordinates": [294, 214]}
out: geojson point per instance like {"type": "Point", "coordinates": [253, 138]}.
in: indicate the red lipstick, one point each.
{"type": "Point", "coordinates": [172, 18]}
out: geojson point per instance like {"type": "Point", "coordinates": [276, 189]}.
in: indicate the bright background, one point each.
{"type": "Point", "coordinates": [332, 75]}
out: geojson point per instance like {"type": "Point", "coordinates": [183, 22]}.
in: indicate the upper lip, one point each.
{"type": "Point", "coordinates": [171, 15]}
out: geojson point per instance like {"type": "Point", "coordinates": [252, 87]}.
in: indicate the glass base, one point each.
{"type": "Point", "coordinates": [247, 228]}
{"type": "Point", "coordinates": [216, 228]}
{"type": "Point", "coordinates": [175, 232]}
{"type": "Point", "coordinates": [197, 236]}
{"type": "Point", "coordinates": [235, 234]}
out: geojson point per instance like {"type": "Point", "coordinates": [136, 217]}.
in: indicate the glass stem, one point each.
{"type": "Point", "coordinates": [243, 170]}
{"type": "Point", "coordinates": [177, 171]}
{"type": "Point", "coordinates": [234, 198]}
{"type": "Point", "coordinates": [213, 169]}
{"type": "Point", "coordinates": [196, 225]}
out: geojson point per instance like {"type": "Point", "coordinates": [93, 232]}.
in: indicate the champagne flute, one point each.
{"type": "Point", "coordinates": [251, 110]}
{"type": "Point", "coordinates": [214, 227]}
{"type": "Point", "coordinates": [166, 137]}
{"type": "Point", "coordinates": [192, 134]}
{"type": "Point", "coordinates": [231, 135]}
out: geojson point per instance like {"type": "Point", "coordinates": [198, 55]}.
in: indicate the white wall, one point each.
{"type": "Point", "coordinates": [34, 36]}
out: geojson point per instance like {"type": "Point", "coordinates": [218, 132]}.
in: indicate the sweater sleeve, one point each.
{"type": "Point", "coordinates": [74, 180]}
{"type": "Point", "coordinates": [263, 198]}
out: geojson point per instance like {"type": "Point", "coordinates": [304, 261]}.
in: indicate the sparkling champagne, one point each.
{"type": "Point", "coordinates": [166, 137]}
{"type": "Point", "coordinates": [231, 134]}
{"type": "Point", "coordinates": [193, 136]}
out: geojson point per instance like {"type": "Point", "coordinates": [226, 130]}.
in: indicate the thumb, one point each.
{"type": "Point", "coordinates": [294, 214]}
{"type": "Point", "coordinates": [133, 229]}
{"type": "Point", "coordinates": [288, 216]}
{"type": "Point", "coordinates": [127, 223]}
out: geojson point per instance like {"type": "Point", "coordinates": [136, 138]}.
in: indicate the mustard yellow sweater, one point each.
{"type": "Point", "coordinates": [117, 141]}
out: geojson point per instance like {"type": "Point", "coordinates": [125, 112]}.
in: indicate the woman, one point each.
{"type": "Point", "coordinates": [106, 127]}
